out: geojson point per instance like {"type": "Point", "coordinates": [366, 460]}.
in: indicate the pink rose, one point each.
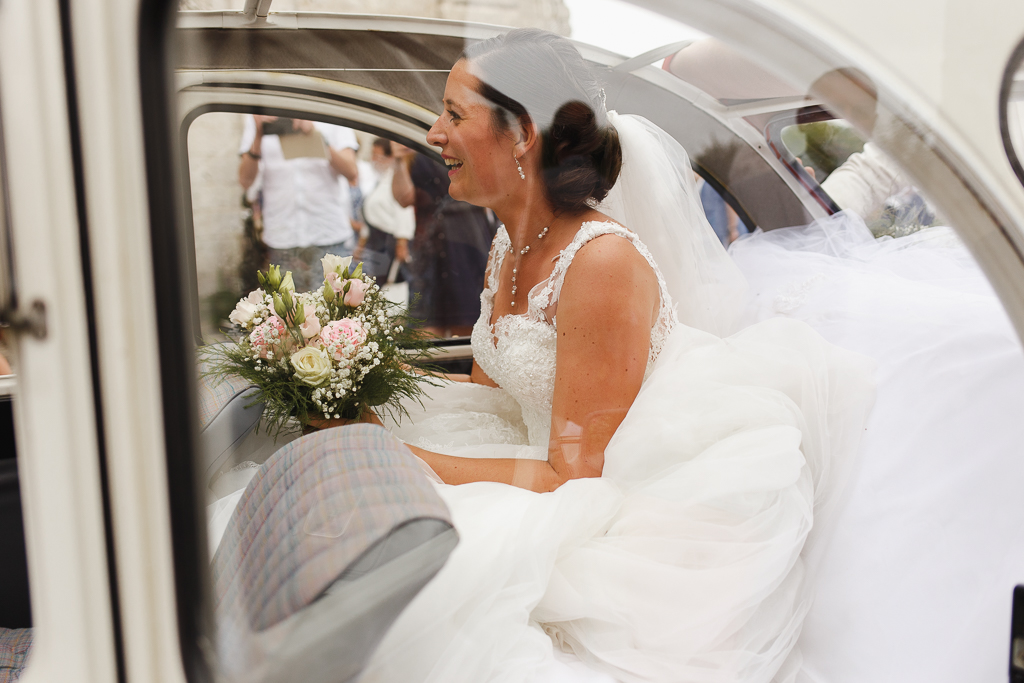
{"type": "Point", "coordinates": [311, 326]}
{"type": "Point", "coordinates": [356, 293]}
{"type": "Point", "coordinates": [335, 281]}
{"type": "Point", "coordinates": [268, 337]}
{"type": "Point", "coordinates": [340, 338]}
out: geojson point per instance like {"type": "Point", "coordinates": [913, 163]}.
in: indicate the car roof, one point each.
{"type": "Point", "coordinates": [397, 66]}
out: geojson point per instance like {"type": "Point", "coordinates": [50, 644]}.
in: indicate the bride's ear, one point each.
{"type": "Point", "coordinates": [528, 136]}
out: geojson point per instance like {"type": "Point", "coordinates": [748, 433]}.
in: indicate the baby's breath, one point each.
{"type": "Point", "coordinates": [364, 373]}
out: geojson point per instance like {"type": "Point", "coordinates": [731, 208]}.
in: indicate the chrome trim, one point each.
{"type": "Point", "coordinates": [651, 56]}
{"type": "Point", "coordinates": [447, 352]}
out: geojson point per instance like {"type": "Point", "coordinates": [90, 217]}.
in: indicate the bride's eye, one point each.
{"type": "Point", "coordinates": [453, 117]}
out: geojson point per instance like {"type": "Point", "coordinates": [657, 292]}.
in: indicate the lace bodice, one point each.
{"type": "Point", "coordinates": [519, 351]}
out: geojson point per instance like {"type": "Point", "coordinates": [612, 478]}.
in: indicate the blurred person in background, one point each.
{"type": "Point", "coordinates": [389, 226]}
{"type": "Point", "coordinates": [305, 216]}
{"type": "Point", "coordinates": [721, 216]}
{"type": "Point", "coordinates": [450, 248]}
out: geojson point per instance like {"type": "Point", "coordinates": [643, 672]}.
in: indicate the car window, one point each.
{"type": "Point", "coordinates": [307, 151]}
{"type": "Point", "coordinates": [834, 161]}
{"type": "Point", "coordinates": [429, 251]}
{"type": "Point", "coordinates": [822, 146]}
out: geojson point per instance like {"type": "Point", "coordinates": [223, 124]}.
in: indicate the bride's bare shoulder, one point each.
{"type": "Point", "coordinates": [605, 249]}
{"type": "Point", "coordinates": [609, 265]}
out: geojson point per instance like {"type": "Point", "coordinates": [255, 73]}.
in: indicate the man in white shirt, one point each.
{"type": "Point", "coordinates": [304, 214]}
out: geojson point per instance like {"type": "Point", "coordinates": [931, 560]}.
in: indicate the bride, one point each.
{"type": "Point", "coordinates": [631, 490]}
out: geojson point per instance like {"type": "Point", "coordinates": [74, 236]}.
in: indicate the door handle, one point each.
{"type": "Point", "coordinates": [32, 321]}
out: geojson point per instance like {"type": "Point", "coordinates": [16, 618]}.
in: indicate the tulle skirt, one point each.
{"type": "Point", "coordinates": [916, 581]}
{"type": "Point", "coordinates": [681, 563]}
{"type": "Point", "coordinates": [733, 494]}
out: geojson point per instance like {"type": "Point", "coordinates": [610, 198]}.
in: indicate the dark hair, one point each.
{"type": "Point", "coordinates": [530, 75]}
{"type": "Point", "coordinates": [384, 144]}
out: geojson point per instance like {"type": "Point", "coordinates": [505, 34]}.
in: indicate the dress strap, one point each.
{"type": "Point", "coordinates": [546, 300]}
{"type": "Point", "coordinates": [499, 247]}
{"type": "Point", "coordinates": [548, 296]}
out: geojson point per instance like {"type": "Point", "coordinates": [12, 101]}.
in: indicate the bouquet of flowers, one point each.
{"type": "Point", "coordinates": [329, 354]}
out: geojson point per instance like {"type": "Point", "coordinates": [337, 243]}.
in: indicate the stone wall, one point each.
{"type": "Point", "coordinates": [213, 138]}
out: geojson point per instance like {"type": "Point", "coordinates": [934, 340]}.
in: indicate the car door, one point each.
{"type": "Point", "coordinates": [49, 317]}
{"type": "Point", "coordinates": [101, 235]}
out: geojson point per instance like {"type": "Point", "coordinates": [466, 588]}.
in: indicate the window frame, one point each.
{"type": "Point", "coordinates": [1014, 66]}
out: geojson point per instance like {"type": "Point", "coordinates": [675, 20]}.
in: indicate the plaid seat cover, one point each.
{"type": "Point", "coordinates": [312, 509]}
{"type": "Point", "coordinates": [14, 647]}
{"type": "Point", "coordinates": [215, 393]}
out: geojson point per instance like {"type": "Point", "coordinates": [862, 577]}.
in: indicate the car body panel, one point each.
{"type": "Point", "coordinates": [937, 66]}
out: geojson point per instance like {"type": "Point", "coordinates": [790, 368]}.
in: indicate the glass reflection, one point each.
{"type": "Point", "coordinates": [284, 203]}
{"type": "Point", "coordinates": [859, 177]}
{"type": "Point", "coordinates": [668, 491]}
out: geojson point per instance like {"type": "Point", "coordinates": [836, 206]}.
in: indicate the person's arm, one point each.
{"type": "Point", "coordinates": [864, 181]}
{"type": "Point", "coordinates": [732, 222]}
{"type": "Point", "coordinates": [606, 309]}
{"type": "Point", "coordinates": [402, 249]}
{"type": "Point", "coordinates": [249, 165]}
{"type": "Point", "coordinates": [402, 187]}
{"type": "Point", "coordinates": [343, 161]}
{"type": "Point", "coordinates": [341, 148]}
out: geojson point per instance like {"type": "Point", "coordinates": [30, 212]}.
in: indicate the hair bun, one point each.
{"type": "Point", "coordinates": [541, 77]}
{"type": "Point", "coordinates": [581, 160]}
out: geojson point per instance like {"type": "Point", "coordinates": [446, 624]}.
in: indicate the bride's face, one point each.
{"type": "Point", "coordinates": [478, 154]}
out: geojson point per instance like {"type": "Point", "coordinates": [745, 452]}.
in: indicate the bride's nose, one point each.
{"type": "Point", "coordinates": [436, 135]}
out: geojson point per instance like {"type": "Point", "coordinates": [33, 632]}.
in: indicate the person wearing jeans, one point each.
{"type": "Point", "coordinates": [306, 214]}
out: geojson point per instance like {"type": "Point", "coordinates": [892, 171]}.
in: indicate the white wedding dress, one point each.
{"type": "Point", "coordinates": [682, 562]}
{"type": "Point", "coordinates": [733, 492]}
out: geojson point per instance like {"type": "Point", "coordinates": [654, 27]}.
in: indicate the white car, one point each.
{"type": "Point", "coordinates": [100, 292]}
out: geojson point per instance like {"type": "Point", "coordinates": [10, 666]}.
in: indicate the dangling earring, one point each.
{"type": "Point", "coordinates": [521, 174]}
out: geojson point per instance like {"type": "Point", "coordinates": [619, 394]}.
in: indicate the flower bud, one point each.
{"type": "Point", "coordinates": [300, 313]}
{"type": "Point", "coordinates": [274, 277]}
{"type": "Point", "coordinates": [328, 293]}
{"type": "Point", "coordinates": [287, 283]}
{"type": "Point", "coordinates": [359, 271]}
{"type": "Point", "coordinates": [286, 297]}
{"type": "Point", "coordinates": [279, 306]}
{"type": "Point", "coordinates": [262, 278]}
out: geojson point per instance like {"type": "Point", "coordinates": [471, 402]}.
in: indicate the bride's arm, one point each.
{"type": "Point", "coordinates": [606, 308]}
{"type": "Point", "coordinates": [608, 304]}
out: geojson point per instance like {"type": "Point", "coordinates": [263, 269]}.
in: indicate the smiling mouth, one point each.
{"type": "Point", "coordinates": [453, 165]}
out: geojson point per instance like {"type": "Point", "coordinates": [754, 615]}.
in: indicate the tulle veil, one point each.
{"type": "Point", "coordinates": [656, 197]}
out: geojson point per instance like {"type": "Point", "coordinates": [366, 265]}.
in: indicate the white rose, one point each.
{"type": "Point", "coordinates": [245, 309]}
{"type": "Point", "coordinates": [312, 365]}
{"type": "Point", "coordinates": [335, 264]}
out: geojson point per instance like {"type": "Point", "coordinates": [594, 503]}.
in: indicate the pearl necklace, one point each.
{"type": "Point", "coordinates": [515, 266]}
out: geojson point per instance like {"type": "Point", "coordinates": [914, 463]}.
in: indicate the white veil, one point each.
{"type": "Point", "coordinates": [656, 197]}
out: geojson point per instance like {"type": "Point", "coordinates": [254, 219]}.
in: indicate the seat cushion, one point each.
{"type": "Point", "coordinates": [14, 647]}
{"type": "Point", "coordinates": [313, 509]}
